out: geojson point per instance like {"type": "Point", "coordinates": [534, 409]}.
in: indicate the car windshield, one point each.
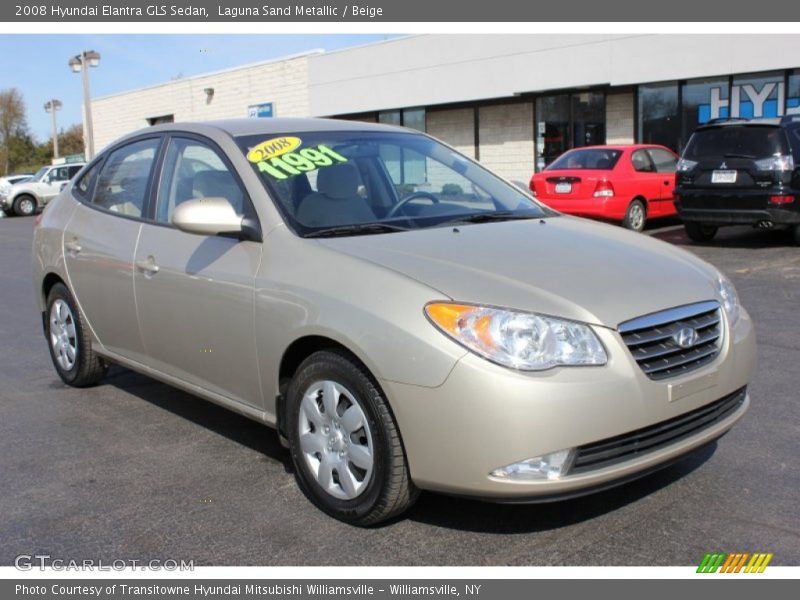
{"type": "Point", "coordinates": [364, 182]}
{"type": "Point", "coordinates": [603, 159]}
{"type": "Point", "coordinates": [40, 173]}
{"type": "Point", "coordinates": [736, 141]}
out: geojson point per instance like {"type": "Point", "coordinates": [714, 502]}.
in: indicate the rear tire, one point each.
{"type": "Point", "coordinates": [796, 234]}
{"type": "Point", "coordinates": [24, 205]}
{"type": "Point", "coordinates": [699, 232]}
{"type": "Point", "coordinates": [636, 216]}
{"type": "Point", "coordinates": [70, 347]}
{"type": "Point", "coordinates": [355, 468]}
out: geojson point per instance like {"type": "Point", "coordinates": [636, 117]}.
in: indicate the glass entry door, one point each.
{"type": "Point", "coordinates": [566, 121]}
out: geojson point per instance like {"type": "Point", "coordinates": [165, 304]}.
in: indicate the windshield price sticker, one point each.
{"type": "Point", "coordinates": [286, 164]}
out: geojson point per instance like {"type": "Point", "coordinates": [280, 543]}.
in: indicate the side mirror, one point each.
{"type": "Point", "coordinates": [207, 216]}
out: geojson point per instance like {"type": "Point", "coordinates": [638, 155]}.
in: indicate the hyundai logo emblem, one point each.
{"type": "Point", "coordinates": [685, 337]}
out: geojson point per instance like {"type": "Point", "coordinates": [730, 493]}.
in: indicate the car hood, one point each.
{"type": "Point", "coordinates": [560, 266]}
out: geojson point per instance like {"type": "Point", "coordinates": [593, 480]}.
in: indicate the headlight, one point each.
{"type": "Point", "coordinates": [730, 299]}
{"type": "Point", "coordinates": [523, 341]}
{"type": "Point", "coordinates": [685, 165]}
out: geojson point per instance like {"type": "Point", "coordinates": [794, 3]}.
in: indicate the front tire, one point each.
{"type": "Point", "coordinates": [345, 445]}
{"type": "Point", "coordinates": [24, 205]}
{"type": "Point", "coordinates": [70, 347]}
{"type": "Point", "coordinates": [700, 233]}
{"type": "Point", "coordinates": [635, 216]}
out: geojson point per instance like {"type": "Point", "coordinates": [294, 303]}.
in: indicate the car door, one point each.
{"type": "Point", "coordinates": [100, 239]}
{"type": "Point", "coordinates": [53, 181]}
{"type": "Point", "coordinates": [665, 163]}
{"type": "Point", "coordinates": [647, 182]}
{"type": "Point", "coordinates": [195, 293]}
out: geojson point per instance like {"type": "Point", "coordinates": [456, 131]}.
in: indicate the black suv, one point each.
{"type": "Point", "coordinates": [740, 172]}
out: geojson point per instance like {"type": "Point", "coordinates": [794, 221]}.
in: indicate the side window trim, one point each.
{"type": "Point", "coordinates": [90, 202]}
{"type": "Point", "coordinates": [87, 198]}
{"type": "Point", "coordinates": [248, 206]}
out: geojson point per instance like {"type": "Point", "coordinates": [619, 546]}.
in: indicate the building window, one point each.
{"type": "Point", "coordinates": [162, 119]}
{"type": "Point", "coordinates": [703, 100]}
{"type": "Point", "coordinates": [413, 118]}
{"type": "Point", "coordinates": [658, 114]}
{"type": "Point", "coordinates": [566, 121]}
{"type": "Point", "coordinates": [406, 167]}
{"type": "Point", "coordinates": [390, 117]}
{"type": "Point", "coordinates": [793, 93]}
{"type": "Point", "coordinates": [757, 95]}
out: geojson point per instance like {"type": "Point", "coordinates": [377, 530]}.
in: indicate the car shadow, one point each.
{"type": "Point", "coordinates": [487, 517]}
{"type": "Point", "coordinates": [744, 237]}
{"type": "Point", "coordinates": [433, 509]}
{"type": "Point", "coordinates": [224, 422]}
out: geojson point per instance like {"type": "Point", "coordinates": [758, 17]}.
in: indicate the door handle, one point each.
{"type": "Point", "coordinates": [73, 247]}
{"type": "Point", "coordinates": [666, 182]}
{"type": "Point", "coordinates": [148, 267]}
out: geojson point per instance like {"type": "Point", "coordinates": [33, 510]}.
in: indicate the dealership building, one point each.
{"type": "Point", "coordinates": [514, 102]}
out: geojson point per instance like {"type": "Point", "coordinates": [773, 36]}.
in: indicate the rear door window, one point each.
{"type": "Point", "coordinates": [642, 162]}
{"type": "Point", "coordinates": [123, 182]}
{"type": "Point", "coordinates": [665, 162]}
{"type": "Point", "coordinates": [736, 141]}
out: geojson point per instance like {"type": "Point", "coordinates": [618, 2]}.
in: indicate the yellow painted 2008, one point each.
{"type": "Point", "coordinates": [272, 148]}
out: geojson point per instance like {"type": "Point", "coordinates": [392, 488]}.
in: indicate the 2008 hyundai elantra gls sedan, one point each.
{"type": "Point", "coordinates": [404, 318]}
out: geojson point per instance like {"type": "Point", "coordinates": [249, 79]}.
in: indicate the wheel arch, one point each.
{"type": "Point", "coordinates": [48, 281]}
{"type": "Point", "coordinates": [294, 355]}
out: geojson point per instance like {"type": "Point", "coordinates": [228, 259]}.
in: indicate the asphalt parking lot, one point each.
{"type": "Point", "coordinates": [134, 469]}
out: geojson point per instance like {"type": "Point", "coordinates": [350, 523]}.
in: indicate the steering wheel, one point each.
{"type": "Point", "coordinates": [411, 197]}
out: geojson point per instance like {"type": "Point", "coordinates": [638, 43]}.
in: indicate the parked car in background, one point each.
{"type": "Point", "coordinates": [25, 197]}
{"type": "Point", "coordinates": [740, 172]}
{"type": "Point", "coordinates": [9, 180]}
{"type": "Point", "coordinates": [626, 183]}
{"type": "Point", "coordinates": [404, 318]}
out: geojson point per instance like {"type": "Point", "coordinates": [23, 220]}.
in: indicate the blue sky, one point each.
{"type": "Point", "coordinates": [37, 64]}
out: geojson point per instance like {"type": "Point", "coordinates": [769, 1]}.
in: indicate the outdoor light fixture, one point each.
{"type": "Point", "coordinates": [209, 91]}
{"type": "Point", "coordinates": [80, 63]}
{"type": "Point", "coordinates": [53, 106]}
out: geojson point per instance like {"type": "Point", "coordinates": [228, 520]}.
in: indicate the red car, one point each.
{"type": "Point", "coordinates": [627, 183]}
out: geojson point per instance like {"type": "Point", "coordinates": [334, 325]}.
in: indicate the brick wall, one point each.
{"type": "Point", "coordinates": [284, 83]}
{"type": "Point", "coordinates": [619, 118]}
{"type": "Point", "coordinates": [506, 140]}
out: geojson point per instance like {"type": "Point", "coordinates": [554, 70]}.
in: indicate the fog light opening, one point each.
{"type": "Point", "coordinates": [549, 466]}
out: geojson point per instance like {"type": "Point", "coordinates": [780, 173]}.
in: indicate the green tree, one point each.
{"type": "Point", "coordinates": [12, 122]}
{"type": "Point", "coordinates": [70, 140]}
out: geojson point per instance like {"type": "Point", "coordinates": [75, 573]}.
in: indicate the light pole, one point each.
{"type": "Point", "coordinates": [53, 106]}
{"type": "Point", "coordinates": [80, 64]}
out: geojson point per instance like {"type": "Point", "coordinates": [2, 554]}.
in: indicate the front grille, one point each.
{"type": "Point", "coordinates": [653, 339]}
{"type": "Point", "coordinates": [649, 439]}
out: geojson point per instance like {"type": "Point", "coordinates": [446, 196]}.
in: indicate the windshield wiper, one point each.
{"type": "Point", "coordinates": [488, 217]}
{"type": "Point", "coordinates": [361, 229]}
{"type": "Point", "coordinates": [738, 156]}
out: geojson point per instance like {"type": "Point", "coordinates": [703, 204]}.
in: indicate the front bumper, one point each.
{"type": "Point", "coordinates": [484, 417]}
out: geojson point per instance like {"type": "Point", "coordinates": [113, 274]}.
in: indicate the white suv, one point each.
{"type": "Point", "coordinates": [25, 197]}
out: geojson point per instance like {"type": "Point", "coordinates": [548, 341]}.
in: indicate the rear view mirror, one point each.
{"type": "Point", "coordinates": [207, 216]}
